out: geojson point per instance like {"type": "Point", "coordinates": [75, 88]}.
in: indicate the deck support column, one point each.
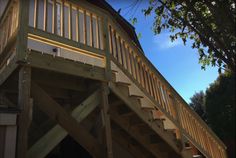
{"type": "Point", "coordinates": [24, 104]}
{"type": "Point", "coordinates": [106, 120]}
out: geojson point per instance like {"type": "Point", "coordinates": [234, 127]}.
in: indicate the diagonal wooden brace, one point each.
{"type": "Point", "coordinates": [70, 124]}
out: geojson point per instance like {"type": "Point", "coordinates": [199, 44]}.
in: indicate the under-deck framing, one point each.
{"type": "Point", "coordinates": [73, 70]}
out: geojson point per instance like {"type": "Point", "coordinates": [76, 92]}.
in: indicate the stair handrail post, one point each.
{"type": "Point", "coordinates": [107, 50]}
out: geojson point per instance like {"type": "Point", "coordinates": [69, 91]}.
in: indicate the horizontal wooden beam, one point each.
{"type": "Point", "coordinates": [64, 41]}
{"type": "Point", "coordinates": [69, 123]}
{"type": "Point", "coordinates": [58, 64]}
{"type": "Point", "coordinates": [58, 80]}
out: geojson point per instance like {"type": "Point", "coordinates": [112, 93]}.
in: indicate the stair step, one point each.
{"type": "Point", "coordinates": [136, 96]}
{"type": "Point", "coordinates": [113, 77]}
{"type": "Point", "coordinates": [114, 71]}
{"type": "Point", "coordinates": [124, 89]}
{"type": "Point", "coordinates": [158, 115]}
{"type": "Point", "coordinates": [123, 83]}
{"type": "Point", "coordinates": [136, 101]}
{"type": "Point", "coordinates": [171, 134]}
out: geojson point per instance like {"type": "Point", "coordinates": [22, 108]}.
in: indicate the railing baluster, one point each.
{"type": "Point", "coordinates": [99, 34]}
{"type": "Point", "coordinates": [111, 40]}
{"type": "Point", "coordinates": [136, 68]}
{"type": "Point", "coordinates": [91, 29]}
{"type": "Point", "coordinates": [153, 85]}
{"type": "Point", "coordinates": [150, 83]}
{"type": "Point", "coordinates": [146, 78]}
{"type": "Point", "coordinates": [54, 17]}
{"type": "Point", "coordinates": [70, 21]}
{"type": "Point", "coordinates": [36, 14]}
{"type": "Point", "coordinates": [123, 54]}
{"type": "Point", "coordinates": [119, 49]}
{"type": "Point", "coordinates": [45, 14]}
{"type": "Point", "coordinates": [85, 28]}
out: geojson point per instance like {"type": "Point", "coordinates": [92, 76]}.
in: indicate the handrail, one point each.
{"type": "Point", "coordinates": [83, 28]}
{"type": "Point", "coordinates": [135, 63]}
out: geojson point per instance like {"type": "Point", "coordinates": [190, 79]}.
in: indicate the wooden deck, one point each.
{"type": "Point", "coordinates": [70, 71]}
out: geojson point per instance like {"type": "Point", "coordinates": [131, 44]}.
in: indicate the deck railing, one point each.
{"type": "Point", "coordinates": [74, 27]}
{"type": "Point", "coordinates": [132, 60]}
{"type": "Point", "coordinates": [67, 20]}
{"type": "Point", "coordinates": [74, 31]}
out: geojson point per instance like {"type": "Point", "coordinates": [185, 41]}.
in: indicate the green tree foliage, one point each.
{"type": "Point", "coordinates": [209, 24]}
{"type": "Point", "coordinates": [220, 109]}
{"type": "Point", "coordinates": [198, 104]}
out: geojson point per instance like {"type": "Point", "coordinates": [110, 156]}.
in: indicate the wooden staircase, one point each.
{"type": "Point", "coordinates": [145, 124]}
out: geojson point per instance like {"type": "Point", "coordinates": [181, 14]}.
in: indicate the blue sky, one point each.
{"type": "Point", "coordinates": [176, 62]}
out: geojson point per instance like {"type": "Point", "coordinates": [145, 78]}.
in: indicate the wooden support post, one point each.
{"type": "Point", "coordinates": [24, 104]}
{"type": "Point", "coordinates": [21, 46]}
{"type": "Point", "coordinates": [106, 120]}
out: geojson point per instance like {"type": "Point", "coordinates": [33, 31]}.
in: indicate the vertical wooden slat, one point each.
{"type": "Point", "coordinates": [78, 24]}
{"type": "Point", "coordinates": [141, 73]}
{"type": "Point", "coordinates": [99, 34]}
{"type": "Point", "coordinates": [196, 130]}
{"type": "Point", "coordinates": [167, 101]}
{"type": "Point", "coordinates": [137, 68]}
{"type": "Point", "coordinates": [208, 142]}
{"type": "Point", "coordinates": [132, 64]}
{"type": "Point", "coordinates": [145, 78]}
{"type": "Point", "coordinates": [200, 135]}
{"type": "Point", "coordinates": [161, 95]}
{"type": "Point", "coordinates": [36, 13]}
{"type": "Point", "coordinates": [54, 17]}
{"type": "Point", "coordinates": [130, 60]}
{"type": "Point", "coordinates": [45, 14]}
{"type": "Point", "coordinates": [63, 19]}
{"type": "Point", "coordinates": [70, 21]}
{"type": "Point", "coordinates": [186, 122]}
{"type": "Point", "coordinates": [150, 83]}
{"type": "Point", "coordinates": [85, 27]}
{"type": "Point", "coordinates": [91, 30]}
{"type": "Point", "coordinates": [121, 52]}
{"type": "Point", "coordinates": [111, 40]}
{"type": "Point", "coordinates": [126, 57]}
{"type": "Point", "coordinates": [154, 87]}
{"type": "Point", "coordinates": [116, 49]}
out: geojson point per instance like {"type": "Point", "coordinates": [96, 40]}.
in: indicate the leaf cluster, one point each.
{"type": "Point", "coordinates": [210, 25]}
